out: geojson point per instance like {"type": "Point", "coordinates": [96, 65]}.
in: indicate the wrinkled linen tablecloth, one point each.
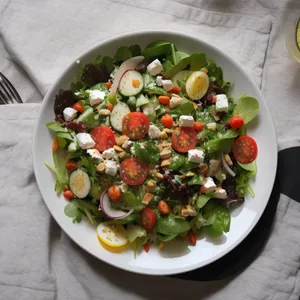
{"type": "Point", "coordinates": [38, 40]}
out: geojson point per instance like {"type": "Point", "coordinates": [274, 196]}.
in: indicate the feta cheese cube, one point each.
{"type": "Point", "coordinates": [109, 153]}
{"type": "Point", "coordinates": [221, 102]}
{"type": "Point", "coordinates": [212, 126]}
{"type": "Point", "coordinates": [175, 101]}
{"type": "Point", "coordinates": [155, 67]}
{"type": "Point", "coordinates": [132, 150]}
{"type": "Point", "coordinates": [159, 81]}
{"type": "Point", "coordinates": [167, 84]}
{"type": "Point", "coordinates": [96, 96]}
{"type": "Point", "coordinates": [196, 156]}
{"type": "Point", "coordinates": [94, 153]}
{"type": "Point", "coordinates": [209, 185]}
{"type": "Point", "coordinates": [85, 141]}
{"type": "Point", "coordinates": [154, 132]}
{"type": "Point", "coordinates": [214, 165]}
{"type": "Point", "coordinates": [123, 187]}
{"type": "Point", "coordinates": [186, 121]}
{"type": "Point", "coordinates": [220, 194]}
{"type": "Point", "coordinates": [111, 168]}
{"type": "Point", "coordinates": [69, 113]}
{"type": "Point", "coordinates": [127, 144]}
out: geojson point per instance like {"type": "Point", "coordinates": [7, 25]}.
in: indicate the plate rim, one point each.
{"type": "Point", "coordinates": [136, 269]}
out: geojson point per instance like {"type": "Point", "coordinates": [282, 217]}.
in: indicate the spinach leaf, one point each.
{"type": "Point", "coordinates": [148, 153]}
{"type": "Point", "coordinates": [71, 210]}
{"type": "Point", "coordinates": [250, 167]}
{"type": "Point", "coordinates": [177, 161]}
{"type": "Point", "coordinates": [216, 146]}
{"type": "Point", "coordinates": [187, 165]}
{"type": "Point", "coordinates": [247, 107]}
{"type": "Point", "coordinates": [228, 134]}
{"type": "Point", "coordinates": [129, 219]}
{"type": "Point", "coordinates": [135, 50]}
{"type": "Point", "coordinates": [169, 225]}
{"type": "Point", "coordinates": [197, 61]}
{"type": "Point", "coordinates": [195, 180]}
{"type": "Point", "coordinates": [219, 218]}
{"type": "Point", "coordinates": [185, 108]}
{"type": "Point", "coordinates": [60, 157]}
{"type": "Point", "coordinates": [157, 48]}
{"type": "Point", "coordinates": [109, 63]}
{"type": "Point", "coordinates": [166, 238]}
{"type": "Point", "coordinates": [202, 200]}
{"type": "Point", "coordinates": [130, 199]}
{"type": "Point", "coordinates": [122, 54]}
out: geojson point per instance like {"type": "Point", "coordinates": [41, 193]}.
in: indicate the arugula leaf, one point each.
{"type": "Point", "coordinates": [247, 107]}
{"type": "Point", "coordinates": [100, 86]}
{"type": "Point", "coordinates": [77, 207]}
{"type": "Point", "coordinates": [150, 85]}
{"type": "Point", "coordinates": [56, 127]}
{"type": "Point", "coordinates": [219, 218]}
{"type": "Point", "coordinates": [169, 225]}
{"type": "Point", "coordinates": [252, 167]}
{"type": "Point", "coordinates": [122, 54]}
{"type": "Point", "coordinates": [88, 163]}
{"type": "Point", "coordinates": [135, 50]}
{"type": "Point", "coordinates": [215, 72]}
{"type": "Point", "coordinates": [60, 157]}
{"type": "Point", "coordinates": [148, 153]}
{"type": "Point", "coordinates": [157, 48]}
{"type": "Point", "coordinates": [242, 181]}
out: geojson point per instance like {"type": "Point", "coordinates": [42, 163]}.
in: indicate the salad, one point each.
{"type": "Point", "coordinates": [149, 146]}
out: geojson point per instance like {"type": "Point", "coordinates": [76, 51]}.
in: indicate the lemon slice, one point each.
{"type": "Point", "coordinates": [197, 85]}
{"type": "Point", "coordinates": [298, 34]}
{"type": "Point", "coordinates": [112, 235]}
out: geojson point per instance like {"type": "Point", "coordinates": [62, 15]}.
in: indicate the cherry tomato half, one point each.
{"type": "Point", "coordinates": [133, 171]}
{"type": "Point", "coordinates": [103, 137]}
{"type": "Point", "coordinates": [184, 139]}
{"type": "Point", "coordinates": [135, 125]}
{"type": "Point", "coordinates": [245, 149]}
{"type": "Point", "coordinates": [114, 193]}
{"type": "Point", "coordinates": [148, 218]}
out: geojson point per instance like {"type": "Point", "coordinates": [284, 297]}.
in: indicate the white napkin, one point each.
{"type": "Point", "coordinates": [37, 260]}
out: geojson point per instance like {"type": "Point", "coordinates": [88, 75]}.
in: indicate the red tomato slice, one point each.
{"type": "Point", "coordinates": [245, 149]}
{"type": "Point", "coordinates": [148, 218]}
{"type": "Point", "coordinates": [103, 137]}
{"type": "Point", "coordinates": [133, 171]}
{"type": "Point", "coordinates": [135, 125]}
{"type": "Point", "coordinates": [184, 139]}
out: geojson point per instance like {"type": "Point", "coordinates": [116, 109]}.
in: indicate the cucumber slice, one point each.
{"type": "Point", "coordinates": [131, 83]}
{"type": "Point", "coordinates": [141, 100]}
{"type": "Point", "coordinates": [80, 183]}
{"type": "Point", "coordinates": [120, 110]}
{"type": "Point", "coordinates": [181, 76]}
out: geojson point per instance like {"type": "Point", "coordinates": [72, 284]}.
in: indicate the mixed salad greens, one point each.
{"type": "Point", "coordinates": [150, 146]}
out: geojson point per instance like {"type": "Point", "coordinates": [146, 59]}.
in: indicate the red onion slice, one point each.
{"type": "Point", "coordinates": [109, 211]}
{"type": "Point", "coordinates": [128, 64]}
{"type": "Point", "coordinates": [227, 168]}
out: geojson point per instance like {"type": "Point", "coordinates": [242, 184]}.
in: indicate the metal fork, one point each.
{"type": "Point", "coordinates": [8, 94]}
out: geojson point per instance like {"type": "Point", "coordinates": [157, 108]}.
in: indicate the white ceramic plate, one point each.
{"type": "Point", "coordinates": [178, 258]}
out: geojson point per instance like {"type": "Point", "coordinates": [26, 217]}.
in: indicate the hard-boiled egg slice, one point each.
{"type": "Point", "coordinates": [80, 183]}
{"type": "Point", "coordinates": [197, 85]}
{"type": "Point", "coordinates": [112, 235]}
